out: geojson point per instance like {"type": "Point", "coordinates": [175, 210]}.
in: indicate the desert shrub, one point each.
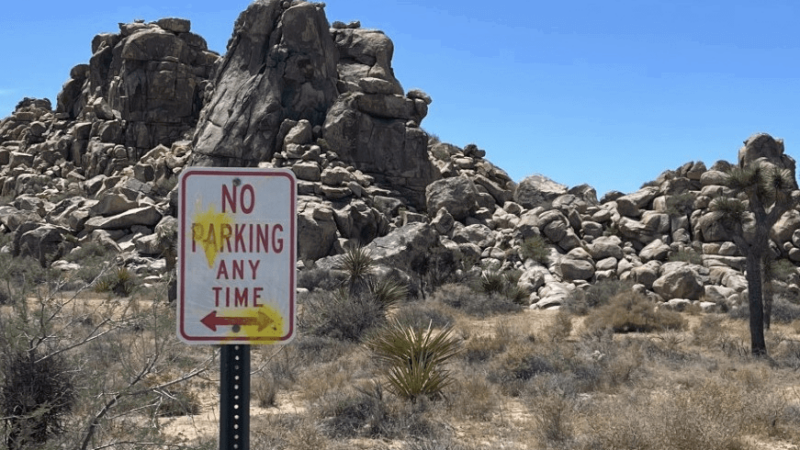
{"type": "Point", "coordinates": [120, 282]}
{"type": "Point", "coordinates": [680, 204]}
{"type": "Point", "coordinates": [265, 391]}
{"type": "Point", "coordinates": [474, 303]}
{"type": "Point", "coordinates": [631, 312]}
{"type": "Point", "coordinates": [354, 414]}
{"type": "Point", "coordinates": [491, 282]}
{"type": "Point", "coordinates": [712, 413]}
{"type": "Point", "coordinates": [421, 313]}
{"type": "Point", "coordinates": [310, 349]}
{"type": "Point", "coordinates": [473, 398]}
{"type": "Point", "coordinates": [523, 362]}
{"type": "Point", "coordinates": [22, 275]}
{"type": "Point", "coordinates": [387, 291]}
{"type": "Point", "coordinates": [366, 413]}
{"type": "Point", "coordinates": [535, 248]}
{"type": "Point", "coordinates": [35, 396]}
{"type": "Point", "coordinates": [93, 259]}
{"type": "Point", "coordinates": [316, 278]}
{"type": "Point", "coordinates": [554, 416]}
{"type": "Point", "coordinates": [581, 301]}
{"type": "Point", "coordinates": [437, 444]}
{"type": "Point", "coordinates": [709, 330]}
{"type": "Point", "coordinates": [340, 315]}
{"type": "Point", "coordinates": [560, 329]}
{"type": "Point", "coordinates": [784, 311]}
{"type": "Point", "coordinates": [782, 269]}
{"type": "Point", "coordinates": [176, 402]}
{"type": "Point", "coordinates": [482, 348]}
{"type": "Point", "coordinates": [495, 282]}
{"type": "Point", "coordinates": [442, 266]}
{"type": "Point", "coordinates": [415, 357]}
{"type": "Point", "coordinates": [688, 255]}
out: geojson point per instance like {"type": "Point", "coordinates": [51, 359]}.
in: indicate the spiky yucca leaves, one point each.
{"type": "Point", "coordinates": [492, 282]}
{"type": "Point", "coordinates": [415, 356]}
{"type": "Point", "coordinates": [360, 269]}
{"type": "Point", "coordinates": [387, 292]}
{"type": "Point", "coordinates": [359, 266]}
{"type": "Point", "coordinates": [765, 181]}
{"type": "Point", "coordinates": [733, 210]}
{"type": "Point", "coordinates": [502, 283]}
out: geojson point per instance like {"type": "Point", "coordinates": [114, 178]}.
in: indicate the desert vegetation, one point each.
{"type": "Point", "coordinates": [463, 367]}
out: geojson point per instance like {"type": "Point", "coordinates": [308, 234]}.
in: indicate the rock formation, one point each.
{"type": "Point", "coordinates": [322, 100]}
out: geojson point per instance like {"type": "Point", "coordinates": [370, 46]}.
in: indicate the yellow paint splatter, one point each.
{"type": "Point", "coordinates": [207, 231]}
{"type": "Point", "coordinates": [266, 322]}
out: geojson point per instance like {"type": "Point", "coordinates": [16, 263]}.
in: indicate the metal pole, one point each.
{"type": "Point", "coordinates": [234, 418]}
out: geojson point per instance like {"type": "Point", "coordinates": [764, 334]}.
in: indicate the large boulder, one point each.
{"type": "Point", "coordinates": [12, 217]}
{"type": "Point", "coordinates": [147, 216]}
{"type": "Point", "coordinates": [280, 64]}
{"type": "Point", "coordinates": [359, 222]}
{"type": "Point", "coordinates": [316, 230]}
{"type": "Point", "coordinates": [538, 190]}
{"type": "Point", "coordinates": [605, 247]}
{"type": "Point", "coordinates": [406, 248]}
{"type": "Point", "coordinates": [762, 146]}
{"type": "Point", "coordinates": [785, 227]}
{"type": "Point", "coordinates": [679, 281]}
{"type": "Point", "coordinates": [576, 269]}
{"type": "Point", "coordinates": [43, 243]}
{"type": "Point", "coordinates": [457, 195]}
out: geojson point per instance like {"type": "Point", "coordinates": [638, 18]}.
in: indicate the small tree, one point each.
{"type": "Point", "coordinates": [764, 193]}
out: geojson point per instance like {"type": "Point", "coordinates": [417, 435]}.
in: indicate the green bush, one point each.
{"type": "Point", "coordinates": [598, 294]}
{"type": "Point", "coordinates": [415, 357]}
{"type": "Point", "coordinates": [359, 266]}
{"type": "Point", "coordinates": [535, 248]}
{"type": "Point", "coordinates": [340, 315]}
{"type": "Point", "coordinates": [121, 282]}
{"type": "Point", "coordinates": [355, 415]}
{"type": "Point", "coordinates": [325, 280]}
{"type": "Point", "coordinates": [35, 396]}
{"type": "Point", "coordinates": [630, 312]}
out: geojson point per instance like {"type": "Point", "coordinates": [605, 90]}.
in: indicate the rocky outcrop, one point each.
{"type": "Point", "coordinates": [280, 67]}
{"type": "Point", "coordinates": [296, 93]}
{"type": "Point", "coordinates": [143, 86]}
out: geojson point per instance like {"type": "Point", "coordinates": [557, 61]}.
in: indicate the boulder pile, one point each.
{"type": "Point", "coordinates": [294, 92]}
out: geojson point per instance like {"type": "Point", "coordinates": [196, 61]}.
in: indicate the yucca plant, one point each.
{"type": "Point", "coordinates": [492, 282]}
{"type": "Point", "coordinates": [536, 248]}
{"type": "Point", "coordinates": [358, 265]}
{"type": "Point", "coordinates": [415, 356]}
{"type": "Point", "coordinates": [387, 292]}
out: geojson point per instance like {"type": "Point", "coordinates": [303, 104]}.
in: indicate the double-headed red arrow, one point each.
{"type": "Point", "coordinates": [212, 321]}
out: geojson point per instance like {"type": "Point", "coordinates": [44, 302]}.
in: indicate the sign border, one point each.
{"type": "Point", "coordinates": [181, 274]}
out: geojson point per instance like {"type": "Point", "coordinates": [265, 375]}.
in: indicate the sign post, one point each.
{"type": "Point", "coordinates": [237, 239]}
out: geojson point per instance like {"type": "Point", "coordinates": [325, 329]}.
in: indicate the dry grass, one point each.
{"type": "Point", "coordinates": [524, 380]}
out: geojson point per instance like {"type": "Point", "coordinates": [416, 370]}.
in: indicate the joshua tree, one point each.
{"type": "Point", "coordinates": [763, 194]}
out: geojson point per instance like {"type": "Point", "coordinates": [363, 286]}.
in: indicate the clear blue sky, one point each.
{"type": "Point", "coordinates": [608, 93]}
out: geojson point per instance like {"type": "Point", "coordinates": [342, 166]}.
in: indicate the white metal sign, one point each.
{"type": "Point", "coordinates": [236, 243]}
